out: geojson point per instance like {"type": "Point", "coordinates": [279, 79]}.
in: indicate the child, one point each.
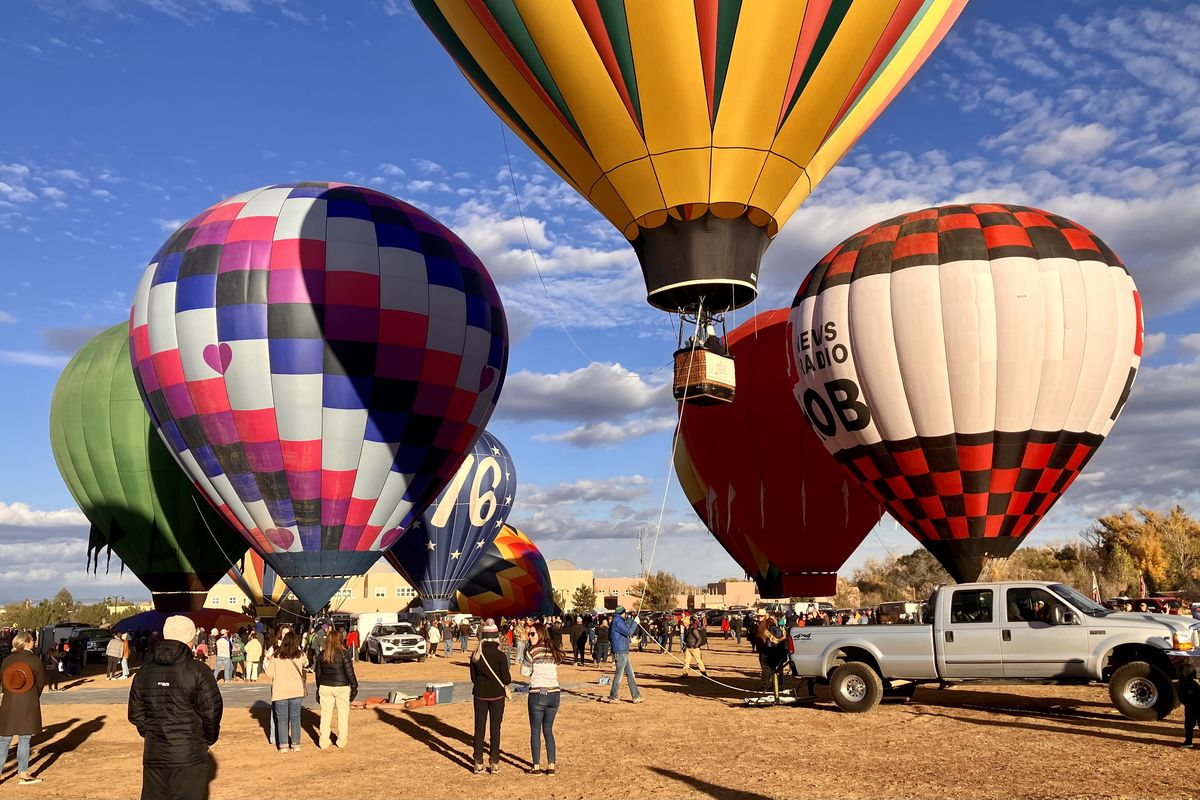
{"type": "Point", "coordinates": [1189, 696]}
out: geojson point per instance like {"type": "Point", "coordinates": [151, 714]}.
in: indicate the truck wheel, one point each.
{"type": "Point", "coordinates": [1142, 691]}
{"type": "Point", "coordinates": [855, 687]}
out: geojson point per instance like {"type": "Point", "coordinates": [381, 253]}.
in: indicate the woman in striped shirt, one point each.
{"type": "Point", "coordinates": [540, 665]}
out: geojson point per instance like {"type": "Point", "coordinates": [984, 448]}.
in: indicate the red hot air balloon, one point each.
{"type": "Point", "coordinates": [761, 479]}
{"type": "Point", "coordinates": [964, 363]}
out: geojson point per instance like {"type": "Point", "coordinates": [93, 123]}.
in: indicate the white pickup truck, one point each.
{"type": "Point", "coordinates": [1018, 631]}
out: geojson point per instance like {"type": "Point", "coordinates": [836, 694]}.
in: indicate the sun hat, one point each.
{"type": "Point", "coordinates": [18, 678]}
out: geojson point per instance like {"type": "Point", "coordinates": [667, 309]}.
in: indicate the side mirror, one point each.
{"type": "Point", "coordinates": [1064, 617]}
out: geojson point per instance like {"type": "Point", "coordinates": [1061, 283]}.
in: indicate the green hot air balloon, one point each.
{"type": "Point", "coordinates": [142, 506]}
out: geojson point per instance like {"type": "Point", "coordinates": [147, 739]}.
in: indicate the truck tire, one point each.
{"type": "Point", "coordinates": [855, 687]}
{"type": "Point", "coordinates": [1142, 691]}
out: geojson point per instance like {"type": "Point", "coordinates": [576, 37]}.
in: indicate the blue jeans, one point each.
{"type": "Point", "coordinates": [543, 708]}
{"type": "Point", "coordinates": [287, 720]}
{"type": "Point", "coordinates": [224, 663]}
{"type": "Point", "coordinates": [621, 660]}
{"type": "Point", "coordinates": [124, 667]}
{"type": "Point", "coordinates": [462, 643]}
{"type": "Point", "coordinates": [22, 752]}
{"type": "Point", "coordinates": [448, 645]}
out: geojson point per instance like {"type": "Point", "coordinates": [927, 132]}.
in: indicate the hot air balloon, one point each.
{"type": "Point", "coordinates": [510, 580]}
{"type": "Point", "coordinates": [319, 357]}
{"type": "Point", "coordinates": [695, 128]}
{"type": "Point", "coordinates": [255, 577]}
{"type": "Point", "coordinates": [141, 506]}
{"type": "Point", "coordinates": [964, 363]}
{"type": "Point", "coordinates": [761, 480]}
{"type": "Point", "coordinates": [442, 547]}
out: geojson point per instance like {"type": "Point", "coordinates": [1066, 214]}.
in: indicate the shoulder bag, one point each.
{"type": "Point", "coordinates": [507, 691]}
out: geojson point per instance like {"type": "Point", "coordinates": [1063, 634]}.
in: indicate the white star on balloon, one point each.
{"type": "Point", "coordinates": [508, 500]}
{"type": "Point", "coordinates": [495, 450]}
{"type": "Point", "coordinates": [455, 554]}
{"type": "Point", "coordinates": [431, 545]}
{"type": "Point", "coordinates": [479, 545]}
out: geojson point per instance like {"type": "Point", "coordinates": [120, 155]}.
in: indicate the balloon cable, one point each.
{"type": "Point", "coordinates": [533, 258]}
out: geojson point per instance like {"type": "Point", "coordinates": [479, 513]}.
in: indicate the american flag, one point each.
{"type": "Point", "coordinates": [1095, 588]}
{"type": "Point", "coordinates": [1143, 594]}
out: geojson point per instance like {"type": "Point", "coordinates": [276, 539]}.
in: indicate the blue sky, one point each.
{"type": "Point", "coordinates": [124, 117]}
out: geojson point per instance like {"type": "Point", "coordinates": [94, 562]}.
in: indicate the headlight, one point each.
{"type": "Point", "coordinates": [1182, 641]}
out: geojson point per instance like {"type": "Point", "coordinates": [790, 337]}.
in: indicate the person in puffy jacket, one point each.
{"type": "Point", "coordinates": [623, 628]}
{"type": "Point", "coordinates": [176, 707]}
{"type": "Point", "coordinates": [490, 677]}
{"type": "Point", "coordinates": [337, 686]}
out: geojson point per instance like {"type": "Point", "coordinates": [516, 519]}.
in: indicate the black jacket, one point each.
{"type": "Point", "coordinates": [339, 672]}
{"type": "Point", "coordinates": [484, 683]}
{"type": "Point", "coordinates": [176, 706]}
{"type": "Point", "coordinates": [691, 638]}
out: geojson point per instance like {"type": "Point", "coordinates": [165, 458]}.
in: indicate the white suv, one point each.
{"type": "Point", "coordinates": [398, 642]}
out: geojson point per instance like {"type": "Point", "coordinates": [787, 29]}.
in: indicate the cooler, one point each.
{"type": "Point", "coordinates": [442, 692]}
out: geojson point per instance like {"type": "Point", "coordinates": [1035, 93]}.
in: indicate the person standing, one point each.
{"type": "Point", "coordinates": [176, 707]}
{"type": "Point", "coordinates": [54, 666]}
{"type": "Point", "coordinates": [490, 677]}
{"type": "Point", "coordinates": [337, 686]}
{"type": "Point", "coordinates": [287, 672]}
{"type": "Point", "coordinates": [352, 642]}
{"type": "Point", "coordinates": [602, 641]}
{"type": "Point", "coordinates": [113, 651]}
{"type": "Point", "coordinates": [541, 667]}
{"type": "Point", "coordinates": [735, 626]}
{"type": "Point", "coordinates": [224, 652]}
{"type": "Point", "coordinates": [623, 628]}
{"type": "Point", "coordinates": [579, 640]}
{"type": "Point", "coordinates": [691, 647]}
{"type": "Point", "coordinates": [772, 654]}
{"type": "Point", "coordinates": [448, 629]}
{"type": "Point", "coordinates": [23, 678]}
{"type": "Point", "coordinates": [254, 654]}
{"type": "Point", "coordinates": [125, 652]}
{"type": "Point", "coordinates": [725, 627]}
{"type": "Point", "coordinates": [464, 635]}
{"type": "Point", "coordinates": [435, 638]}
{"type": "Point", "coordinates": [521, 629]}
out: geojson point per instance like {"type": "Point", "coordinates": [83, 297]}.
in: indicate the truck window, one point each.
{"type": "Point", "coordinates": [1029, 604]}
{"type": "Point", "coordinates": [971, 605]}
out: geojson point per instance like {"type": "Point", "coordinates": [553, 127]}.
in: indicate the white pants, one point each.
{"type": "Point", "coordinates": [335, 698]}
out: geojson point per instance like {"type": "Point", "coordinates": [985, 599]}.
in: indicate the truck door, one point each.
{"type": "Point", "coordinates": [1034, 640]}
{"type": "Point", "coordinates": [969, 637]}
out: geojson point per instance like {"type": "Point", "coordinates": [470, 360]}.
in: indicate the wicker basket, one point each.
{"type": "Point", "coordinates": [703, 377]}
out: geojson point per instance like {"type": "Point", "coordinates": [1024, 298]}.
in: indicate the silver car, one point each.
{"type": "Point", "coordinates": [399, 642]}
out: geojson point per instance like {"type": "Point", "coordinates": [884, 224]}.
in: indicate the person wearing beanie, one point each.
{"type": "Point", "coordinates": [490, 677]}
{"type": "Point", "coordinates": [176, 707]}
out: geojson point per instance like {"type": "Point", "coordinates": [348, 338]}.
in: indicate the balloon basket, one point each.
{"type": "Point", "coordinates": [703, 375]}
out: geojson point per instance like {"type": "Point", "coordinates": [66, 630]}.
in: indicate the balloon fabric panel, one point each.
{"type": "Point", "coordinates": [964, 363]}
{"type": "Point", "coordinates": [318, 356]}
{"type": "Point", "coordinates": [140, 504]}
{"type": "Point", "coordinates": [627, 100]}
{"type": "Point", "coordinates": [762, 481]}
{"type": "Point", "coordinates": [255, 577]}
{"type": "Point", "coordinates": [440, 549]}
{"type": "Point", "coordinates": [510, 580]}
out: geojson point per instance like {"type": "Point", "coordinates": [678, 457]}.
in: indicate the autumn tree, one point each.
{"type": "Point", "coordinates": [658, 592]}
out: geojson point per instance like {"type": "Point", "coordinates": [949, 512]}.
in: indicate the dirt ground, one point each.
{"type": "Point", "coordinates": [689, 738]}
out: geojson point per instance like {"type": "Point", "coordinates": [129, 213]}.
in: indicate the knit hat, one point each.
{"type": "Point", "coordinates": [490, 631]}
{"type": "Point", "coordinates": [620, 610]}
{"type": "Point", "coordinates": [179, 629]}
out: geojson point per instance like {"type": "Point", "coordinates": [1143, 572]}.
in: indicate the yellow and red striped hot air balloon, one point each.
{"type": "Point", "coordinates": [510, 580]}
{"type": "Point", "coordinates": [261, 584]}
{"type": "Point", "coordinates": [697, 127]}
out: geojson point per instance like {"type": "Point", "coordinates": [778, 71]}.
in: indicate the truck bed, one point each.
{"type": "Point", "coordinates": [908, 648]}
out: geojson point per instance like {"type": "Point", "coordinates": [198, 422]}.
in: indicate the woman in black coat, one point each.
{"type": "Point", "coordinates": [337, 686]}
{"type": "Point", "coordinates": [489, 678]}
{"type": "Point", "coordinates": [23, 677]}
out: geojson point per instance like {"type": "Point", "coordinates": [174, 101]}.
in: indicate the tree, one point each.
{"type": "Point", "coordinates": [560, 600]}
{"type": "Point", "coordinates": [658, 592]}
{"type": "Point", "coordinates": [584, 599]}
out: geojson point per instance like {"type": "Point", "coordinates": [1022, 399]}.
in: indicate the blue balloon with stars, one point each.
{"type": "Point", "coordinates": [439, 551]}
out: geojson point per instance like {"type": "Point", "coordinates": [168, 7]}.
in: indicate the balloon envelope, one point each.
{"type": "Point", "coordinates": [140, 504]}
{"type": "Point", "coordinates": [696, 128]}
{"type": "Point", "coordinates": [319, 357]}
{"type": "Point", "coordinates": [761, 480]}
{"type": "Point", "coordinates": [964, 363]}
{"type": "Point", "coordinates": [510, 580]}
{"type": "Point", "coordinates": [255, 577]}
{"type": "Point", "coordinates": [441, 549]}
{"type": "Point", "coordinates": [206, 619]}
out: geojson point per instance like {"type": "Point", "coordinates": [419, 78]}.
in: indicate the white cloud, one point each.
{"type": "Point", "coordinates": [236, 6]}
{"type": "Point", "coordinates": [169, 225]}
{"type": "Point", "coordinates": [7, 318]}
{"type": "Point", "coordinates": [418, 186]}
{"type": "Point", "coordinates": [1072, 143]}
{"type": "Point", "coordinates": [622, 489]}
{"type": "Point", "coordinates": [1152, 344]}
{"type": "Point", "coordinates": [1190, 346]}
{"type": "Point", "coordinates": [15, 193]}
{"type": "Point", "coordinates": [25, 359]}
{"type": "Point", "coordinates": [103, 194]}
{"type": "Point", "coordinates": [20, 515]}
{"type": "Point", "coordinates": [53, 193]}
{"type": "Point", "coordinates": [599, 434]}
{"type": "Point", "coordinates": [428, 167]}
{"type": "Point", "coordinates": [597, 392]}
{"type": "Point", "coordinates": [74, 176]}
{"type": "Point", "coordinates": [391, 170]}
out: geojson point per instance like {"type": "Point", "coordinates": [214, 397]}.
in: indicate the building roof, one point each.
{"type": "Point", "coordinates": [561, 563]}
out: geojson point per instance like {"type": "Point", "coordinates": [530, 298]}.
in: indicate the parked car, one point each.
{"type": "Point", "coordinates": [97, 640]}
{"type": "Point", "coordinates": [1018, 631]}
{"type": "Point", "coordinates": [398, 642]}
